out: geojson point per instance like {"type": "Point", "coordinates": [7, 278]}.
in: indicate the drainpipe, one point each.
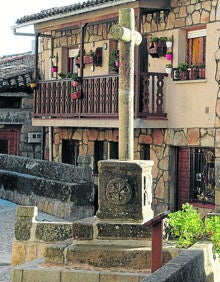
{"type": "Point", "coordinates": [36, 76]}
{"type": "Point", "coordinates": [137, 67]}
{"type": "Point", "coordinates": [82, 49]}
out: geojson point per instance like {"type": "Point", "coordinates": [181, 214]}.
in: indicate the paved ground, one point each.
{"type": "Point", "coordinates": [7, 223]}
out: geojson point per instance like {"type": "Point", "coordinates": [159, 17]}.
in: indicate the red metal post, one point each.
{"type": "Point", "coordinates": [156, 251]}
{"type": "Point", "coordinates": [156, 224]}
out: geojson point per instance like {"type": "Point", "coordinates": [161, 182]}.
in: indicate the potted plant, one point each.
{"type": "Point", "coordinates": [169, 56]}
{"type": "Point", "coordinates": [168, 68]}
{"type": "Point", "coordinates": [33, 85]}
{"type": "Point", "coordinates": [183, 71]}
{"type": "Point", "coordinates": [154, 41]}
{"type": "Point", "coordinates": [54, 69]}
{"type": "Point", "coordinates": [169, 42]}
{"type": "Point", "coordinates": [114, 60]}
{"type": "Point", "coordinates": [88, 57]}
{"type": "Point", "coordinates": [75, 93]}
{"type": "Point", "coordinates": [53, 60]}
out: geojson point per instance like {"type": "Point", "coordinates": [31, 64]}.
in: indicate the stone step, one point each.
{"type": "Point", "coordinates": [39, 271]}
{"type": "Point", "coordinates": [131, 256]}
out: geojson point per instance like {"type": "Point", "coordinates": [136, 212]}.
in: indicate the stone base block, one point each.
{"type": "Point", "coordinates": [119, 255]}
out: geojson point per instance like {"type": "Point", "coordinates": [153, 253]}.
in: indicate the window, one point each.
{"type": "Point", "coordinates": [103, 151]}
{"type": "Point", "coordinates": [193, 68]}
{"type": "Point", "coordinates": [144, 152]}
{"type": "Point", "coordinates": [10, 102]}
{"type": "Point", "coordinates": [70, 151]}
{"type": "Point", "coordinates": [202, 175]}
{"type": "Point", "coordinates": [4, 146]}
{"type": "Point", "coordinates": [196, 46]}
{"type": "Point", "coordinates": [73, 54]}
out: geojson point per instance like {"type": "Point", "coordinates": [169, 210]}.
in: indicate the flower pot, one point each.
{"type": "Point", "coordinates": [169, 56]}
{"type": "Point", "coordinates": [54, 69]}
{"type": "Point", "coordinates": [75, 95]}
{"type": "Point", "coordinates": [117, 64]}
{"type": "Point", "coordinates": [169, 44]}
{"type": "Point", "coordinates": [168, 70]}
{"type": "Point", "coordinates": [75, 83]}
{"type": "Point", "coordinates": [33, 85]}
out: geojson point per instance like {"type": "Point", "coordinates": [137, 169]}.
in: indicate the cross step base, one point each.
{"type": "Point", "coordinates": [37, 271]}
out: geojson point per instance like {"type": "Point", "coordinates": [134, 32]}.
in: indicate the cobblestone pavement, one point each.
{"type": "Point", "coordinates": [7, 223]}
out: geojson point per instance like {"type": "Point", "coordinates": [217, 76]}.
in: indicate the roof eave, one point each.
{"type": "Point", "coordinates": [73, 13]}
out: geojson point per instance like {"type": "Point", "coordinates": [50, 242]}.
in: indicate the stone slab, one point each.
{"type": "Point", "coordinates": [37, 271]}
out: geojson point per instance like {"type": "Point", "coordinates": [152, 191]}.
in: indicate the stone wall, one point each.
{"type": "Point", "coordinates": [56, 188]}
{"type": "Point", "coordinates": [194, 264]}
{"type": "Point", "coordinates": [161, 142]}
{"type": "Point", "coordinates": [31, 237]}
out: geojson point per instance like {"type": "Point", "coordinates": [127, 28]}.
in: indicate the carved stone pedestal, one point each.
{"type": "Point", "coordinates": [125, 191]}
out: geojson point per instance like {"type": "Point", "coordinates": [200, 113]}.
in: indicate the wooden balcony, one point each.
{"type": "Point", "coordinates": [99, 98]}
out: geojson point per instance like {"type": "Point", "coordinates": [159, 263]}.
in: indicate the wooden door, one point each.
{"type": "Point", "coordinates": [183, 177]}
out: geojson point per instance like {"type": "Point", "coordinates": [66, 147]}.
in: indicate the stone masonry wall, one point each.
{"type": "Point", "coordinates": [32, 237]}
{"type": "Point", "coordinates": [159, 140]}
{"type": "Point", "coordinates": [58, 189]}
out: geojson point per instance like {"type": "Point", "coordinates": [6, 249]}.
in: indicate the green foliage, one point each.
{"type": "Point", "coordinates": [70, 75]}
{"type": "Point", "coordinates": [155, 39]}
{"type": "Point", "coordinates": [212, 229]}
{"type": "Point", "coordinates": [182, 66]}
{"type": "Point", "coordinates": [185, 226]}
{"type": "Point", "coordinates": [113, 57]}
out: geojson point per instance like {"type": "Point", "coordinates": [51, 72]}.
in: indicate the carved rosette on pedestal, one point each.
{"type": "Point", "coordinates": [125, 191]}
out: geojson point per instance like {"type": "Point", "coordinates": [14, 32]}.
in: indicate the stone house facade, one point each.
{"type": "Point", "coordinates": [183, 140]}
{"type": "Point", "coordinates": [16, 107]}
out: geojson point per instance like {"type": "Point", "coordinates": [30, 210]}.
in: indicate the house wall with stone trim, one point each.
{"type": "Point", "coordinates": [189, 124]}
{"type": "Point", "coordinates": [160, 140]}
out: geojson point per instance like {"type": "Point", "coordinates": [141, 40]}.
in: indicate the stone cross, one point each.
{"type": "Point", "coordinates": [125, 33]}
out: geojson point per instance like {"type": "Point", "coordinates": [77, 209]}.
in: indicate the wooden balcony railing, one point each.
{"type": "Point", "coordinates": [99, 98]}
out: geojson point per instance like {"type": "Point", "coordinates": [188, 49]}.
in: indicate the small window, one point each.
{"type": "Point", "coordinates": [202, 175]}
{"type": "Point", "coordinates": [4, 146]}
{"type": "Point", "coordinates": [72, 56]}
{"type": "Point", "coordinates": [70, 151]}
{"type": "Point", "coordinates": [103, 151]}
{"type": "Point", "coordinates": [144, 152]}
{"type": "Point", "coordinates": [10, 102]}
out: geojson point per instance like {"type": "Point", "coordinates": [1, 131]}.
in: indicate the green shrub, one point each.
{"type": "Point", "coordinates": [185, 226]}
{"type": "Point", "coordinates": [212, 229]}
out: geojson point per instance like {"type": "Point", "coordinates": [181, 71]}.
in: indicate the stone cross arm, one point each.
{"type": "Point", "coordinates": [125, 34]}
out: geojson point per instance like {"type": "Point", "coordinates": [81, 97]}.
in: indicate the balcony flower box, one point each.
{"type": "Point", "coordinates": [75, 95]}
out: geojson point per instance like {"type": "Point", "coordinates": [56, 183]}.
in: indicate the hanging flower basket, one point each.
{"type": "Point", "coordinates": [75, 83]}
{"type": "Point", "coordinates": [75, 95]}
